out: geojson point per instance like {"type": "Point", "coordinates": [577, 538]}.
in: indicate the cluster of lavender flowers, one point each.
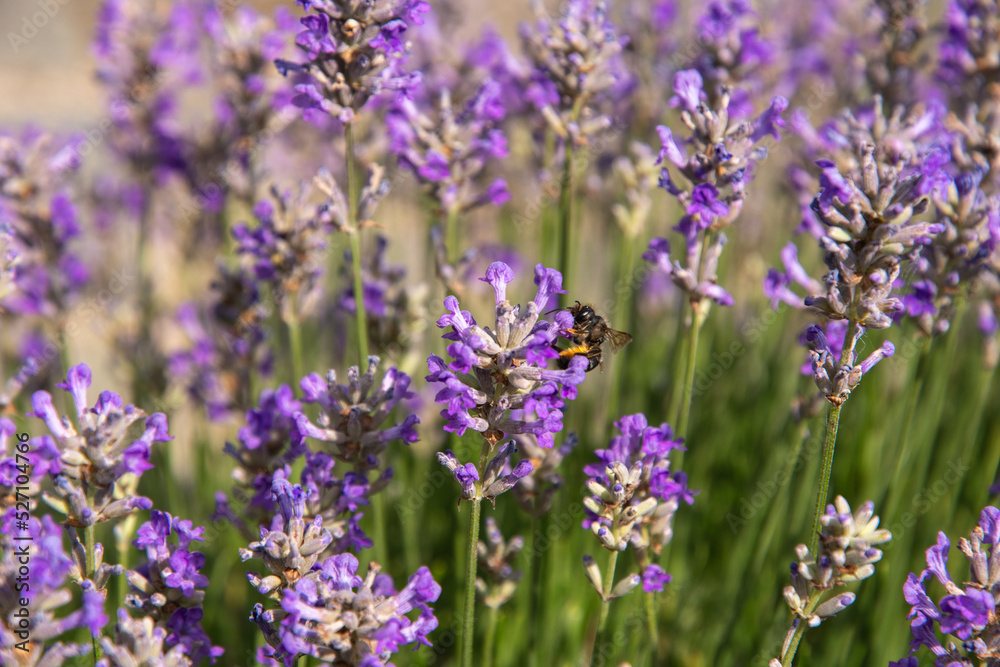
{"type": "Point", "coordinates": [287, 248]}
{"type": "Point", "coordinates": [724, 152]}
{"type": "Point", "coordinates": [326, 610]}
{"type": "Point", "coordinates": [351, 52]}
{"type": "Point", "coordinates": [846, 553]}
{"type": "Point", "coordinates": [45, 588]}
{"type": "Point", "coordinates": [228, 344]}
{"type": "Point", "coordinates": [866, 216]}
{"type": "Point", "coordinates": [88, 462]}
{"type": "Point", "coordinates": [577, 67]}
{"type": "Point", "coordinates": [498, 383]}
{"type": "Point", "coordinates": [395, 305]}
{"type": "Point", "coordinates": [449, 154]}
{"type": "Point", "coordinates": [967, 612]}
{"type": "Point", "coordinates": [635, 495]}
{"type": "Point", "coordinates": [168, 586]}
{"type": "Point", "coordinates": [40, 223]}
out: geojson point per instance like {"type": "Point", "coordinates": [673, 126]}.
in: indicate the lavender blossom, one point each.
{"type": "Point", "coordinates": [634, 492]}
{"type": "Point", "coordinates": [970, 49]}
{"type": "Point", "coordinates": [38, 226]}
{"type": "Point", "coordinates": [167, 587]}
{"type": "Point", "coordinates": [228, 343]}
{"type": "Point", "coordinates": [288, 248]}
{"type": "Point", "coordinates": [350, 53]}
{"type": "Point", "coordinates": [967, 611]}
{"type": "Point", "coordinates": [960, 258]}
{"type": "Point", "coordinates": [732, 55]}
{"type": "Point", "coordinates": [537, 489]}
{"type": "Point", "coordinates": [847, 554]}
{"type": "Point", "coordinates": [292, 545]}
{"type": "Point", "coordinates": [269, 442]}
{"type": "Point", "coordinates": [494, 480]}
{"type": "Point", "coordinates": [498, 378]}
{"type": "Point", "coordinates": [143, 59]}
{"type": "Point", "coordinates": [578, 67]}
{"type": "Point", "coordinates": [394, 303]}
{"type": "Point", "coordinates": [718, 171]}
{"type": "Point", "coordinates": [89, 464]}
{"type": "Point", "coordinates": [139, 641]}
{"type": "Point", "coordinates": [244, 47]}
{"type": "Point", "coordinates": [351, 416]}
{"type": "Point", "coordinates": [449, 153]}
{"type": "Point", "coordinates": [336, 616]}
{"type": "Point", "coordinates": [836, 381]}
{"type": "Point", "coordinates": [884, 172]}
{"type": "Point", "coordinates": [496, 558]}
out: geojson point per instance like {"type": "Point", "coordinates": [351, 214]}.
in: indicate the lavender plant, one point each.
{"type": "Point", "coordinates": [577, 69]}
{"type": "Point", "coordinates": [718, 171]}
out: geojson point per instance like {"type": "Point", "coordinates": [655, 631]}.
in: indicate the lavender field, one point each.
{"type": "Point", "coordinates": [428, 332]}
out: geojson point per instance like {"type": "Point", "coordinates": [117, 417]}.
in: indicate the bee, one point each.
{"type": "Point", "coordinates": [589, 333]}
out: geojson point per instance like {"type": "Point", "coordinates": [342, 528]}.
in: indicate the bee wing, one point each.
{"type": "Point", "coordinates": [618, 339]}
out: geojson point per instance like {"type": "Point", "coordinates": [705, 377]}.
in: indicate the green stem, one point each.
{"type": "Point", "coordinates": [361, 317]}
{"type": "Point", "coordinates": [654, 635]}
{"type": "Point", "coordinates": [451, 236]}
{"type": "Point", "coordinates": [684, 412]}
{"type": "Point", "coordinates": [535, 615]}
{"type": "Point", "coordinates": [144, 292]}
{"type": "Point", "coordinates": [566, 212]}
{"type": "Point", "coordinates": [468, 621]}
{"type": "Point", "coordinates": [829, 444]}
{"type": "Point", "coordinates": [602, 623]}
{"type": "Point", "coordinates": [800, 629]}
{"type": "Point", "coordinates": [381, 544]}
{"type": "Point", "coordinates": [295, 348]}
{"type": "Point", "coordinates": [677, 362]}
{"type": "Point", "coordinates": [491, 633]}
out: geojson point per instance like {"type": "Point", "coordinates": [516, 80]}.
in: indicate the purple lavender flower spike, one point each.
{"type": "Point", "coordinates": [335, 615]}
{"type": "Point", "coordinates": [846, 553]}
{"type": "Point", "coordinates": [167, 588]}
{"type": "Point", "coordinates": [450, 150]}
{"type": "Point", "coordinates": [635, 495]}
{"type": "Point", "coordinates": [497, 560]}
{"type": "Point", "coordinates": [86, 466]}
{"type": "Point", "coordinates": [352, 418]}
{"type": "Point", "coordinates": [717, 168]}
{"type": "Point", "coordinates": [967, 613]}
{"type": "Point", "coordinates": [494, 481]}
{"type": "Point", "coordinates": [577, 67]}
{"type": "Point", "coordinates": [350, 53]}
{"type": "Point", "coordinates": [517, 349]}
{"type": "Point", "coordinates": [39, 271]}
